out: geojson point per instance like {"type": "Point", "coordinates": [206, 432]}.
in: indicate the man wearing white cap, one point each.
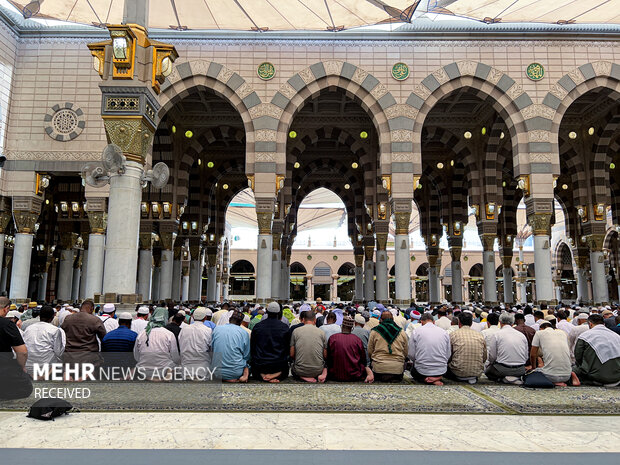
{"type": "Point", "coordinates": [120, 342]}
{"type": "Point", "coordinates": [142, 319]}
{"type": "Point", "coordinates": [44, 341]}
{"type": "Point", "coordinates": [582, 327]}
{"type": "Point", "coordinates": [195, 342]}
{"type": "Point", "coordinates": [108, 318]}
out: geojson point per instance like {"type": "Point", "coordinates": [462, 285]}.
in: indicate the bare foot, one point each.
{"type": "Point", "coordinates": [436, 380]}
{"type": "Point", "coordinates": [231, 380]}
{"type": "Point", "coordinates": [309, 380]}
{"type": "Point", "coordinates": [274, 380]}
{"type": "Point", "coordinates": [575, 380]}
{"type": "Point", "coordinates": [560, 384]}
{"type": "Point", "coordinates": [438, 383]}
{"type": "Point", "coordinates": [322, 378]}
{"type": "Point", "coordinates": [270, 376]}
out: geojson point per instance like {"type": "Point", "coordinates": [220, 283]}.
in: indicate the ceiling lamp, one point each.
{"type": "Point", "coordinates": [440, 166]}
{"type": "Point", "coordinates": [292, 134]}
{"type": "Point", "coordinates": [572, 135]}
{"type": "Point", "coordinates": [174, 129]}
{"type": "Point", "coordinates": [354, 165]}
{"type": "Point", "coordinates": [612, 166]}
{"type": "Point", "coordinates": [364, 135]}
{"type": "Point", "coordinates": [451, 162]}
{"type": "Point", "coordinates": [189, 134]}
{"type": "Point", "coordinates": [467, 135]}
{"type": "Point", "coordinates": [347, 186]}
{"type": "Point", "coordinates": [225, 186]}
{"type": "Point", "coordinates": [502, 135]}
{"type": "Point", "coordinates": [199, 162]}
{"type": "Point", "coordinates": [591, 131]}
{"type": "Point", "coordinates": [296, 165]}
{"type": "Point", "coordinates": [564, 187]}
{"type": "Point", "coordinates": [483, 131]}
{"type": "Point", "coordinates": [210, 164]}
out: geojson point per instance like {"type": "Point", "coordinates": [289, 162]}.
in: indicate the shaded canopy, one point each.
{"type": "Point", "coordinates": [244, 15]}
{"type": "Point", "coordinates": [535, 11]}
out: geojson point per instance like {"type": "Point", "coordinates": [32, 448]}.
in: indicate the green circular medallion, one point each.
{"type": "Point", "coordinates": [266, 71]}
{"type": "Point", "coordinates": [309, 257]}
{"type": "Point", "coordinates": [400, 71]}
{"type": "Point", "coordinates": [535, 71]}
{"type": "Point", "coordinates": [335, 257]}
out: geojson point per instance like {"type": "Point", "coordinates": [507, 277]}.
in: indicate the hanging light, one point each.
{"type": "Point", "coordinates": [440, 166]}
{"type": "Point", "coordinates": [467, 135]}
{"type": "Point", "coordinates": [502, 135]}
{"type": "Point", "coordinates": [483, 131]}
{"type": "Point", "coordinates": [210, 164]}
{"type": "Point", "coordinates": [363, 135]}
{"type": "Point", "coordinates": [296, 165]}
{"type": "Point", "coordinates": [189, 134]}
{"type": "Point", "coordinates": [612, 166]}
{"type": "Point", "coordinates": [225, 186]}
{"type": "Point", "coordinates": [354, 165]}
{"type": "Point", "coordinates": [572, 135]}
{"type": "Point", "coordinates": [347, 186]}
{"type": "Point", "coordinates": [199, 162]}
{"type": "Point", "coordinates": [451, 162]}
{"type": "Point", "coordinates": [591, 131]}
{"type": "Point", "coordinates": [564, 186]}
{"type": "Point", "coordinates": [292, 134]}
{"type": "Point", "coordinates": [174, 129]}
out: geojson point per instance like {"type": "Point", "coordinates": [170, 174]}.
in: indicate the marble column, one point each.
{"type": "Point", "coordinates": [185, 281]}
{"type": "Point", "coordinates": [402, 261]}
{"type": "Point", "coordinates": [5, 271]}
{"type": "Point", "coordinates": [167, 264]}
{"type": "Point", "coordinates": [5, 218]}
{"type": "Point", "coordinates": [600, 291]}
{"type": "Point", "coordinates": [25, 223]}
{"type": "Point", "coordinates": [212, 277]}
{"type": "Point", "coordinates": [75, 287]}
{"type": "Point", "coordinates": [276, 274]}
{"type": "Point", "coordinates": [42, 288]}
{"type": "Point", "coordinates": [369, 274]}
{"type": "Point", "coordinates": [83, 272]}
{"type": "Point", "coordinates": [457, 274]}
{"type": "Point", "coordinates": [65, 265]}
{"type": "Point", "coordinates": [488, 269]}
{"type": "Point", "coordinates": [121, 251]}
{"type": "Point", "coordinates": [218, 288]}
{"type": "Point", "coordinates": [264, 257]}
{"type": "Point", "coordinates": [97, 220]}
{"type": "Point", "coordinates": [334, 288]}
{"type": "Point", "coordinates": [309, 288]}
{"type": "Point", "coordinates": [508, 278]}
{"type": "Point", "coordinates": [145, 265]}
{"type": "Point", "coordinates": [359, 277]}
{"type": "Point", "coordinates": [194, 271]}
{"type": "Point", "coordinates": [177, 267]}
{"type": "Point", "coordinates": [156, 275]}
{"type": "Point", "coordinates": [285, 278]}
{"type": "Point", "coordinates": [540, 223]}
{"type": "Point", "coordinates": [381, 269]}
{"type": "Point", "coordinates": [225, 286]}
{"type": "Point", "coordinates": [522, 276]}
{"type": "Point", "coordinates": [581, 275]}
{"type": "Point", "coordinates": [434, 263]}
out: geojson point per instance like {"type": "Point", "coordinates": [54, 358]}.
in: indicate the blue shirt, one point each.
{"type": "Point", "coordinates": [209, 324]}
{"type": "Point", "coordinates": [231, 346]}
{"type": "Point", "coordinates": [121, 339]}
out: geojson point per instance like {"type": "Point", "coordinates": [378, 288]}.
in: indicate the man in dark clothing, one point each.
{"type": "Point", "coordinates": [346, 356]}
{"type": "Point", "coordinates": [118, 344]}
{"type": "Point", "coordinates": [527, 331]}
{"type": "Point", "coordinates": [269, 347]}
{"type": "Point", "coordinates": [175, 326]}
{"type": "Point", "coordinates": [84, 331]}
{"type": "Point", "coordinates": [14, 382]}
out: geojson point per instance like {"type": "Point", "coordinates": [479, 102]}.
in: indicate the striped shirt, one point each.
{"type": "Point", "coordinates": [121, 339]}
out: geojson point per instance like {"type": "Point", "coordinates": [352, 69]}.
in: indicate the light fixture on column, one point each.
{"type": "Point", "coordinates": [189, 134]}
{"type": "Point", "coordinates": [433, 240]}
{"type": "Point", "coordinates": [292, 134]}
{"type": "Point", "coordinates": [296, 165]}
{"type": "Point", "coordinates": [211, 237]}
{"type": "Point", "coordinates": [363, 135]}
{"type": "Point", "coordinates": [369, 226]}
{"type": "Point", "coordinates": [564, 187]}
{"type": "Point", "coordinates": [467, 135]}
{"type": "Point", "coordinates": [483, 131]}
{"type": "Point", "coordinates": [572, 135]}
{"type": "Point", "coordinates": [174, 129]}
{"type": "Point", "coordinates": [225, 186]}
{"type": "Point", "coordinates": [490, 211]}
{"type": "Point", "coordinates": [347, 186]}
{"type": "Point", "coordinates": [381, 211]}
{"type": "Point", "coordinates": [612, 166]}
{"type": "Point", "coordinates": [591, 131]}
{"type": "Point", "coordinates": [156, 208]}
{"type": "Point", "coordinates": [185, 226]}
{"type": "Point", "coordinates": [524, 184]}
{"type": "Point", "coordinates": [582, 212]}
{"type": "Point", "coordinates": [354, 165]}
{"type": "Point", "coordinates": [144, 209]}
{"type": "Point", "coordinates": [476, 210]}
{"type": "Point", "coordinates": [439, 166]}
{"type": "Point", "coordinates": [199, 162]}
{"type": "Point", "coordinates": [194, 227]}
{"type": "Point", "coordinates": [599, 211]}
{"type": "Point", "coordinates": [502, 135]}
{"type": "Point", "coordinates": [167, 210]}
{"type": "Point", "coordinates": [43, 183]}
{"type": "Point", "coordinates": [180, 211]}
{"type": "Point", "coordinates": [457, 228]}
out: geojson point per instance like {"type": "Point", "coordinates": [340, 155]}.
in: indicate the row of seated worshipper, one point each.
{"type": "Point", "coordinates": [319, 342]}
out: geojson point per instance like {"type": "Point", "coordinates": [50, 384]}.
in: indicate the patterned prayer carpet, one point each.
{"type": "Point", "coordinates": [291, 396]}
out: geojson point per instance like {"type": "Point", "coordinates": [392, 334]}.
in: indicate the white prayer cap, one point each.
{"type": "Point", "coordinates": [200, 314]}
{"type": "Point", "coordinates": [582, 316]}
{"type": "Point", "coordinates": [65, 305]}
{"type": "Point", "coordinates": [109, 308]}
{"type": "Point", "coordinates": [359, 319]}
{"type": "Point", "coordinates": [143, 310]}
{"type": "Point", "coordinates": [125, 316]}
{"type": "Point", "coordinates": [273, 307]}
{"type": "Point", "coordinates": [13, 314]}
{"type": "Point", "coordinates": [246, 318]}
{"type": "Point", "coordinates": [209, 312]}
{"type": "Point", "coordinates": [361, 308]}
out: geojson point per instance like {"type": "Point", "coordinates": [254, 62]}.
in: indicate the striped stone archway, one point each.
{"type": "Point", "coordinates": [492, 85]}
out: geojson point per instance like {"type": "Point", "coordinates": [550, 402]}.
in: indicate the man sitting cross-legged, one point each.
{"type": "Point", "coordinates": [309, 350]}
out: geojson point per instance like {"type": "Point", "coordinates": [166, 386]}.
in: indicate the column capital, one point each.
{"type": "Point", "coordinates": [68, 240]}
{"type": "Point", "coordinates": [488, 242]}
{"type": "Point", "coordinates": [177, 249]}
{"type": "Point", "coordinates": [264, 222]}
{"type": "Point", "coordinates": [401, 219]}
{"type": "Point", "coordinates": [433, 260]}
{"type": "Point", "coordinates": [97, 221]}
{"type": "Point", "coordinates": [455, 253]}
{"type": "Point", "coordinates": [167, 238]}
{"type": "Point", "coordinates": [211, 259]}
{"type": "Point", "coordinates": [596, 242]}
{"type": "Point", "coordinates": [25, 222]}
{"type": "Point", "coordinates": [381, 241]}
{"type": "Point", "coordinates": [359, 260]}
{"type": "Point", "coordinates": [540, 223]}
{"type": "Point", "coordinates": [145, 240]}
{"type": "Point", "coordinates": [5, 217]}
{"type": "Point", "coordinates": [507, 261]}
{"type": "Point", "coordinates": [369, 251]}
{"type": "Point", "coordinates": [275, 243]}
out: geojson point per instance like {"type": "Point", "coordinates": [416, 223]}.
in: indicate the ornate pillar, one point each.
{"type": "Point", "coordinates": [25, 214]}
{"type": "Point", "coordinates": [334, 288]}
{"type": "Point", "coordinates": [5, 217]}
{"type": "Point", "coordinates": [309, 288]}
{"type": "Point", "coordinates": [211, 276]}
{"type": "Point", "coordinates": [77, 275]}
{"type": "Point", "coordinates": [522, 278]}
{"type": "Point", "coordinates": [218, 289]}
{"type": "Point", "coordinates": [264, 257]}
{"type": "Point", "coordinates": [457, 271]}
{"type": "Point", "coordinates": [185, 281]}
{"type": "Point", "coordinates": [285, 277]}
{"type": "Point", "coordinates": [166, 238]}
{"type": "Point", "coordinates": [600, 292]}
{"type": "Point", "coordinates": [42, 288]}
{"type": "Point", "coordinates": [156, 275]}
{"type": "Point", "coordinates": [195, 275]}
{"type": "Point", "coordinates": [359, 275]}
{"type": "Point", "coordinates": [488, 269]}
{"type": "Point", "coordinates": [145, 265]}
{"type": "Point", "coordinates": [508, 278]}
{"type": "Point", "coordinates": [65, 265]}
{"type": "Point", "coordinates": [276, 274]}
{"type": "Point", "coordinates": [369, 274]}
{"type": "Point", "coordinates": [177, 267]}
{"type": "Point", "coordinates": [540, 223]}
{"type": "Point", "coordinates": [434, 262]}
{"type": "Point", "coordinates": [6, 262]}
{"type": "Point", "coordinates": [381, 268]}
{"type": "Point", "coordinates": [84, 261]}
{"type": "Point", "coordinates": [132, 68]}
{"type": "Point", "coordinates": [97, 219]}
{"type": "Point", "coordinates": [581, 261]}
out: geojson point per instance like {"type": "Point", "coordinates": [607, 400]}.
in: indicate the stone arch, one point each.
{"type": "Point", "coordinates": [560, 249]}
{"type": "Point", "coordinates": [490, 84]}
{"type": "Point", "coordinates": [576, 83]}
{"type": "Point", "coordinates": [374, 96]}
{"type": "Point", "coordinates": [242, 266]}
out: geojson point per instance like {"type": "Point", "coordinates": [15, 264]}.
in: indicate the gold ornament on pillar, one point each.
{"type": "Point", "coordinates": [177, 252]}
{"type": "Point", "coordinates": [540, 223]}
{"type": "Point", "coordinates": [132, 134]}
{"type": "Point", "coordinates": [264, 222]}
{"type": "Point", "coordinates": [359, 260]}
{"type": "Point", "coordinates": [596, 242]}
{"type": "Point", "coordinates": [68, 240]}
{"type": "Point", "coordinates": [433, 260]}
{"type": "Point", "coordinates": [580, 261]}
{"type": "Point", "coordinates": [402, 222]}
{"type": "Point", "coordinates": [5, 217]}
{"type": "Point", "coordinates": [506, 261]}
{"type": "Point", "coordinates": [97, 221]}
{"type": "Point", "coordinates": [211, 259]}
{"type": "Point", "coordinates": [166, 239]}
{"type": "Point", "coordinates": [455, 253]}
{"type": "Point", "coordinates": [275, 242]}
{"type": "Point", "coordinates": [488, 241]}
{"type": "Point", "coordinates": [145, 240]}
{"type": "Point", "coordinates": [369, 251]}
{"type": "Point", "coordinates": [25, 221]}
{"type": "Point", "coordinates": [382, 241]}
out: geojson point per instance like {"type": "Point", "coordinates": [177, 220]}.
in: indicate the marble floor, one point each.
{"type": "Point", "coordinates": [314, 431]}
